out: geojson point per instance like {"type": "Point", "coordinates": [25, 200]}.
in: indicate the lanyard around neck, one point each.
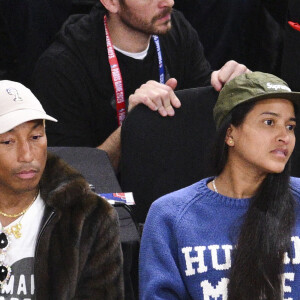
{"type": "Point", "coordinates": [117, 76]}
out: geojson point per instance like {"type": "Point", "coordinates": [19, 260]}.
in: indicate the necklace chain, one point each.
{"type": "Point", "coordinates": [214, 186]}
{"type": "Point", "coordinates": [20, 213]}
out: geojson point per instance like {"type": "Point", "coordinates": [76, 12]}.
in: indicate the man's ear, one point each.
{"type": "Point", "coordinates": [229, 140]}
{"type": "Point", "coordinates": [111, 5]}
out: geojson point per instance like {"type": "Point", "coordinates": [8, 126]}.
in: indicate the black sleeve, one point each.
{"type": "Point", "coordinates": [62, 88]}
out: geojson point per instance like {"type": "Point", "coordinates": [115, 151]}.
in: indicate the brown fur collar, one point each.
{"type": "Point", "coordinates": [63, 187]}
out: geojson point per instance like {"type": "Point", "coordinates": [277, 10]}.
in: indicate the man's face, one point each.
{"type": "Point", "coordinates": [23, 154]}
{"type": "Point", "coordinates": [147, 16]}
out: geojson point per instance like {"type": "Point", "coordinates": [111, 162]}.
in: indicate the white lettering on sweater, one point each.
{"type": "Point", "coordinates": [214, 255]}
{"type": "Point", "coordinates": [295, 260]}
{"type": "Point", "coordinates": [286, 288]}
{"type": "Point", "coordinates": [214, 292]}
{"type": "Point", "coordinates": [199, 259]}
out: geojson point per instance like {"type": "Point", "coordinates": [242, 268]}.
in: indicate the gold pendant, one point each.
{"type": "Point", "coordinates": [15, 230]}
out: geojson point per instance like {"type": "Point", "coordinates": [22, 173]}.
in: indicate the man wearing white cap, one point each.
{"type": "Point", "coordinates": [58, 240]}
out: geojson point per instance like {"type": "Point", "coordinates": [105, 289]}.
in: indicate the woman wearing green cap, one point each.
{"type": "Point", "coordinates": [234, 236]}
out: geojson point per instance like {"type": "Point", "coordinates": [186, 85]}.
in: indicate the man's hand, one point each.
{"type": "Point", "coordinates": [158, 97]}
{"type": "Point", "coordinates": [230, 70]}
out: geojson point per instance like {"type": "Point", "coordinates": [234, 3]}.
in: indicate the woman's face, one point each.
{"type": "Point", "coordinates": [265, 140]}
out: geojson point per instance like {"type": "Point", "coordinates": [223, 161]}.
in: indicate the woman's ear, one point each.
{"type": "Point", "coordinates": [229, 136]}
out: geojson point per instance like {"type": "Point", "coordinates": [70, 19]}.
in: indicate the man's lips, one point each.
{"type": "Point", "coordinates": [26, 174]}
{"type": "Point", "coordinates": [165, 18]}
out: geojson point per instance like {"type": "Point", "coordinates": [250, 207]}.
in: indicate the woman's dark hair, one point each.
{"type": "Point", "coordinates": [265, 234]}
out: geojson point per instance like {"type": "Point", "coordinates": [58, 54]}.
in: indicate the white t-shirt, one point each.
{"type": "Point", "coordinates": [136, 55]}
{"type": "Point", "coordinates": [20, 254]}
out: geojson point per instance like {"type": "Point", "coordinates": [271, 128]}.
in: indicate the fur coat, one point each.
{"type": "Point", "coordinates": [78, 253]}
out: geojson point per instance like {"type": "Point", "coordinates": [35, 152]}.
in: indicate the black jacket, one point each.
{"type": "Point", "coordinates": [73, 79]}
{"type": "Point", "coordinates": [78, 254]}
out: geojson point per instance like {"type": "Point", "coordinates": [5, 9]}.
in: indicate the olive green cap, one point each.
{"type": "Point", "coordinates": [249, 87]}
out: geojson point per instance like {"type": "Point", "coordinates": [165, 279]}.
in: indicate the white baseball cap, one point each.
{"type": "Point", "coordinates": [18, 105]}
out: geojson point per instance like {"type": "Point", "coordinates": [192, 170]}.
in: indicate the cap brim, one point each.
{"type": "Point", "coordinates": [15, 118]}
{"type": "Point", "coordinates": [292, 96]}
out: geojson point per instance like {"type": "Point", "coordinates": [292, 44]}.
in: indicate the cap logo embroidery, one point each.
{"type": "Point", "coordinates": [14, 92]}
{"type": "Point", "coordinates": [277, 87]}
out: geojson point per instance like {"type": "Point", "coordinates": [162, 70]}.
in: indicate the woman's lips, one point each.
{"type": "Point", "coordinates": [280, 152]}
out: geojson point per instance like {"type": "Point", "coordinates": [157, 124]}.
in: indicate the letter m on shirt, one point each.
{"type": "Point", "coordinates": [213, 293]}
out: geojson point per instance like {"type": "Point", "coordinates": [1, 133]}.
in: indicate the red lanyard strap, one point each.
{"type": "Point", "coordinates": [117, 76]}
{"type": "Point", "coordinates": [294, 25]}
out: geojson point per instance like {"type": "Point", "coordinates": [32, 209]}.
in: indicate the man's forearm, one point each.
{"type": "Point", "coordinates": [112, 146]}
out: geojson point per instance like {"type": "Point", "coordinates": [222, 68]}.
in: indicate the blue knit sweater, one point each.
{"type": "Point", "coordinates": [187, 243]}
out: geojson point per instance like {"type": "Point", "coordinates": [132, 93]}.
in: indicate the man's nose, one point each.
{"type": "Point", "coordinates": [25, 152]}
{"type": "Point", "coordinates": [166, 3]}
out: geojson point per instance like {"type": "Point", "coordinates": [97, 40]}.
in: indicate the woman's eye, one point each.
{"type": "Point", "coordinates": [36, 137]}
{"type": "Point", "coordinates": [269, 122]}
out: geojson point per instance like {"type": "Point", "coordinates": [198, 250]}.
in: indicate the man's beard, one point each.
{"type": "Point", "coordinates": [149, 28]}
